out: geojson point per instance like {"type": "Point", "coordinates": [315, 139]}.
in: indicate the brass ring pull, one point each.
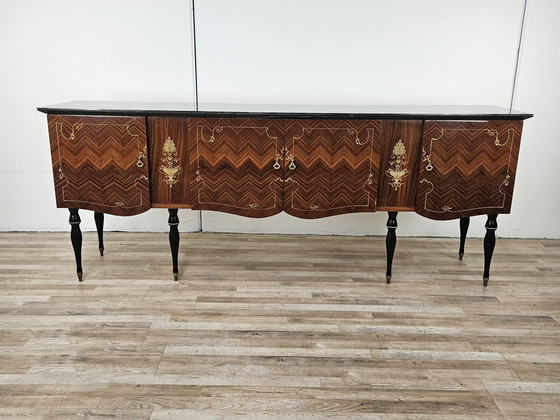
{"type": "Point", "coordinates": [292, 165]}
{"type": "Point", "coordinates": [140, 164]}
{"type": "Point", "coordinates": [276, 164]}
{"type": "Point", "coordinates": [429, 167]}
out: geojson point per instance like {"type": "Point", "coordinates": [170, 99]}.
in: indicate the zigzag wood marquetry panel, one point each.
{"type": "Point", "coordinates": [467, 168]}
{"type": "Point", "coordinates": [233, 165]}
{"type": "Point", "coordinates": [399, 165]}
{"type": "Point", "coordinates": [100, 163]}
{"type": "Point", "coordinates": [169, 169]}
{"type": "Point", "coordinates": [335, 167]}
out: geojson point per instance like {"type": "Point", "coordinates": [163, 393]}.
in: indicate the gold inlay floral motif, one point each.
{"type": "Point", "coordinates": [494, 133]}
{"type": "Point", "coordinates": [397, 170]}
{"type": "Point", "coordinates": [169, 167]}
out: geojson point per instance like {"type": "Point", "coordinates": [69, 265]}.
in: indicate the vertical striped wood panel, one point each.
{"type": "Point", "coordinates": [399, 193]}
{"type": "Point", "coordinates": [170, 180]}
{"type": "Point", "coordinates": [100, 163]}
{"type": "Point", "coordinates": [467, 168]}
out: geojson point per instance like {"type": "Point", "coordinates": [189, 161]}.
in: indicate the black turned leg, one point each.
{"type": "Point", "coordinates": [391, 243]}
{"type": "Point", "coordinates": [99, 218]}
{"type": "Point", "coordinates": [76, 238]}
{"type": "Point", "coordinates": [464, 227]}
{"type": "Point", "coordinates": [174, 240]}
{"type": "Point", "coordinates": [489, 244]}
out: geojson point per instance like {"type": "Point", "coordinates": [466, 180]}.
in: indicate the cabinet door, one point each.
{"type": "Point", "coordinates": [100, 163]}
{"type": "Point", "coordinates": [169, 160]}
{"type": "Point", "coordinates": [331, 167]}
{"type": "Point", "coordinates": [467, 168]}
{"type": "Point", "coordinates": [233, 165]}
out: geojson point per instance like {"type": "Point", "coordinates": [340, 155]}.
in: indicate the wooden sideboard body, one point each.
{"type": "Point", "coordinates": [443, 163]}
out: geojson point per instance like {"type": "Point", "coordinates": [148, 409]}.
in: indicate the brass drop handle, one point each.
{"type": "Point", "coordinates": [292, 164]}
{"type": "Point", "coordinates": [141, 155]}
{"type": "Point", "coordinates": [429, 167]}
{"type": "Point", "coordinates": [284, 155]}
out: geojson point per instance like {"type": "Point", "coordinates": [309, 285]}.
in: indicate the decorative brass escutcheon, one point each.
{"type": "Point", "coordinates": [169, 166]}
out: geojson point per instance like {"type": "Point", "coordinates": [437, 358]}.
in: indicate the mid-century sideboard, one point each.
{"type": "Point", "coordinates": [445, 162]}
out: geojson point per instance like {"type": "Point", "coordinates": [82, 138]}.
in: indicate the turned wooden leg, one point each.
{"type": "Point", "coordinates": [489, 244]}
{"type": "Point", "coordinates": [464, 227]}
{"type": "Point", "coordinates": [174, 240]}
{"type": "Point", "coordinates": [99, 219]}
{"type": "Point", "coordinates": [76, 238]}
{"type": "Point", "coordinates": [391, 243]}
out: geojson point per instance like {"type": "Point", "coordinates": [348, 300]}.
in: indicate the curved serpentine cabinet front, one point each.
{"type": "Point", "coordinates": [440, 164]}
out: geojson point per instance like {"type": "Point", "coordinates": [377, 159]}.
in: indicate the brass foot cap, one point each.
{"type": "Point", "coordinates": [175, 276]}
{"type": "Point", "coordinates": [485, 281]}
{"type": "Point", "coordinates": [80, 276]}
{"type": "Point", "coordinates": [461, 256]}
{"type": "Point", "coordinates": [388, 278]}
{"type": "Point", "coordinates": [101, 251]}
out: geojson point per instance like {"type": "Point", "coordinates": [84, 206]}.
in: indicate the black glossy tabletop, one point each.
{"type": "Point", "coordinates": [427, 112]}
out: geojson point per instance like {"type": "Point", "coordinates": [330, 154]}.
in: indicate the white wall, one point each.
{"type": "Point", "coordinates": [59, 50]}
{"type": "Point", "coordinates": [266, 51]}
{"type": "Point", "coordinates": [536, 203]}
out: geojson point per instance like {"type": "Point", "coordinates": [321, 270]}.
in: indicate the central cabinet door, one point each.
{"type": "Point", "coordinates": [235, 165]}
{"type": "Point", "coordinates": [331, 167]}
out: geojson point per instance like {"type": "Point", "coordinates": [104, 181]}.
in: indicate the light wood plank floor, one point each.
{"type": "Point", "coordinates": [268, 326]}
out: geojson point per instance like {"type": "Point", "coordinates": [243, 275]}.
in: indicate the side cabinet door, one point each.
{"type": "Point", "coordinates": [467, 168]}
{"type": "Point", "coordinates": [331, 167]}
{"type": "Point", "coordinates": [233, 165]}
{"type": "Point", "coordinates": [100, 163]}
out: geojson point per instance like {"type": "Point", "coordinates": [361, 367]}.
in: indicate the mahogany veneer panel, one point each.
{"type": "Point", "coordinates": [309, 165]}
{"type": "Point", "coordinates": [335, 167]}
{"type": "Point", "coordinates": [232, 165]}
{"type": "Point", "coordinates": [100, 163]}
{"type": "Point", "coordinates": [170, 180]}
{"type": "Point", "coordinates": [467, 168]}
{"type": "Point", "coordinates": [398, 175]}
